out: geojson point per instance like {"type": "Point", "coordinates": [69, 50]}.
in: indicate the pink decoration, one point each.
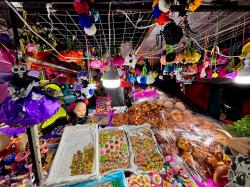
{"type": "Point", "coordinates": [146, 93]}
{"type": "Point", "coordinates": [96, 64]}
{"type": "Point", "coordinates": [138, 72]}
{"type": "Point", "coordinates": [118, 61]}
{"type": "Point", "coordinates": [141, 58]}
{"type": "Point", "coordinates": [231, 75]}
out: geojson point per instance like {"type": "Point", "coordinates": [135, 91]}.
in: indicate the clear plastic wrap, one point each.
{"type": "Point", "coordinates": [198, 140]}
{"type": "Point", "coordinates": [74, 138]}
{"type": "Point", "coordinates": [100, 119]}
{"type": "Point", "coordinates": [145, 112]}
{"type": "Point", "coordinates": [103, 105]}
{"type": "Point", "coordinates": [113, 150]}
{"type": "Point", "coordinates": [144, 148]}
{"type": "Point", "coordinates": [115, 179]}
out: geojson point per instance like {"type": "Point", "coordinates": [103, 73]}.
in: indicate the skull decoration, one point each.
{"type": "Point", "coordinates": [130, 60]}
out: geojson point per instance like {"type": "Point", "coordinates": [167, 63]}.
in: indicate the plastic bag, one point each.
{"type": "Point", "coordinates": [34, 109]}
{"type": "Point", "coordinates": [114, 179]}
{"type": "Point", "coordinates": [74, 138]}
{"type": "Point", "coordinates": [100, 119]}
{"type": "Point", "coordinates": [103, 105]}
{"type": "Point", "coordinates": [198, 141]}
{"type": "Point", "coordinates": [143, 146]}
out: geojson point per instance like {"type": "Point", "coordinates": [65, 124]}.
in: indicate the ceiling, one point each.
{"type": "Point", "coordinates": [63, 22]}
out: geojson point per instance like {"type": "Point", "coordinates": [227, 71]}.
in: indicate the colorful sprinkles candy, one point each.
{"type": "Point", "coordinates": [113, 150]}
{"type": "Point", "coordinates": [82, 162]}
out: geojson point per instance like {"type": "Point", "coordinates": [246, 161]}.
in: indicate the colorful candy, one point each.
{"type": "Point", "coordinates": [147, 155]}
{"type": "Point", "coordinates": [82, 162]}
{"type": "Point", "coordinates": [113, 150]}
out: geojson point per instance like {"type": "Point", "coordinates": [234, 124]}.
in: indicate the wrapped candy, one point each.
{"type": "Point", "coordinates": [103, 105]}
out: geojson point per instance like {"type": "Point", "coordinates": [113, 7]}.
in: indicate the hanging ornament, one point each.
{"type": "Point", "coordinates": [194, 5]}
{"type": "Point", "coordinates": [163, 18]}
{"type": "Point", "coordinates": [141, 61]}
{"type": "Point", "coordinates": [81, 6]}
{"type": "Point", "coordinates": [90, 31]}
{"type": "Point", "coordinates": [89, 90]}
{"type": "Point", "coordinates": [130, 60]}
{"type": "Point", "coordinates": [155, 3]}
{"type": "Point", "coordinates": [141, 79]}
{"type": "Point", "coordinates": [85, 21]}
{"type": "Point", "coordinates": [118, 61]}
{"type": "Point", "coordinates": [163, 60]}
{"type": "Point", "coordinates": [155, 74]}
{"type": "Point", "coordinates": [150, 78]}
{"type": "Point", "coordinates": [156, 12]}
{"type": "Point", "coordinates": [163, 6]}
{"type": "Point", "coordinates": [96, 16]}
{"type": "Point", "coordinates": [126, 49]}
{"type": "Point", "coordinates": [214, 75]}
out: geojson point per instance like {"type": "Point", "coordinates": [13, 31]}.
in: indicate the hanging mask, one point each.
{"type": "Point", "coordinates": [21, 83]}
{"type": "Point", "coordinates": [68, 93]}
{"type": "Point", "coordinates": [20, 70]}
{"type": "Point", "coordinates": [130, 60]}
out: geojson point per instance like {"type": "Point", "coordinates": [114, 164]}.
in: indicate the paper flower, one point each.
{"type": "Point", "coordinates": [163, 6]}
{"type": "Point", "coordinates": [81, 6]}
{"type": "Point", "coordinates": [85, 21]}
{"type": "Point", "coordinates": [90, 31]}
{"type": "Point", "coordinates": [194, 5]}
{"type": "Point", "coordinates": [156, 12]}
{"type": "Point", "coordinates": [163, 18]}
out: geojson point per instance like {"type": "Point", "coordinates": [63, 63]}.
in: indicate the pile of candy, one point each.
{"type": "Point", "coordinates": [145, 112]}
{"type": "Point", "coordinates": [82, 162]}
{"type": "Point", "coordinates": [169, 175]}
{"type": "Point", "coordinates": [103, 105]}
{"type": "Point", "coordinates": [113, 150]}
{"type": "Point", "coordinates": [100, 119]}
{"type": "Point", "coordinates": [147, 155]}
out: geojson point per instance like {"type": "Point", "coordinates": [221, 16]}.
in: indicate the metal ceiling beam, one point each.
{"type": "Point", "coordinates": [129, 5]}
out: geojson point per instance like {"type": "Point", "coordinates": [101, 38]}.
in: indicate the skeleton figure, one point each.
{"type": "Point", "coordinates": [21, 84]}
{"type": "Point", "coordinates": [239, 174]}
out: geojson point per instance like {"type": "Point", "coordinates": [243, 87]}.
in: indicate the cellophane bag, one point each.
{"type": "Point", "coordinates": [197, 140]}
{"type": "Point", "coordinates": [103, 105]}
{"type": "Point", "coordinates": [116, 179]}
{"type": "Point", "coordinates": [113, 150]}
{"type": "Point", "coordinates": [146, 155]}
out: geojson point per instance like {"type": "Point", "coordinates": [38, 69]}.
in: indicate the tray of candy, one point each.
{"type": "Point", "coordinates": [100, 119]}
{"type": "Point", "coordinates": [145, 152]}
{"type": "Point", "coordinates": [113, 150]}
{"type": "Point", "coordinates": [76, 157]}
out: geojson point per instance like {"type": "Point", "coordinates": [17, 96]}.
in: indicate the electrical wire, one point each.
{"type": "Point", "coordinates": [145, 27]}
{"type": "Point", "coordinates": [38, 35]}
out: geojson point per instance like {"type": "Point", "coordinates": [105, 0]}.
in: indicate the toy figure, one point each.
{"type": "Point", "coordinates": [79, 114]}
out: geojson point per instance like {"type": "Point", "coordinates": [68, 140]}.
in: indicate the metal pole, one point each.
{"type": "Point", "coordinates": [34, 147]}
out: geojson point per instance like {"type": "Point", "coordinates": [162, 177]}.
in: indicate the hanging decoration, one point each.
{"type": "Point", "coordinates": [85, 21]}
{"type": "Point", "coordinates": [126, 49]}
{"type": "Point", "coordinates": [130, 60]}
{"type": "Point", "coordinates": [163, 5]}
{"type": "Point", "coordinates": [90, 31]}
{"type": "Point", "coordinates": [163, 18]}
{"type": "Point", "coordinates": [156, 12]}
{"type": "Point", "coordinates": [172, 34]}
{"type": "Point", "coordinates": [194, 5]}
{"type": "Point", "coordinates": [81, 6]}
